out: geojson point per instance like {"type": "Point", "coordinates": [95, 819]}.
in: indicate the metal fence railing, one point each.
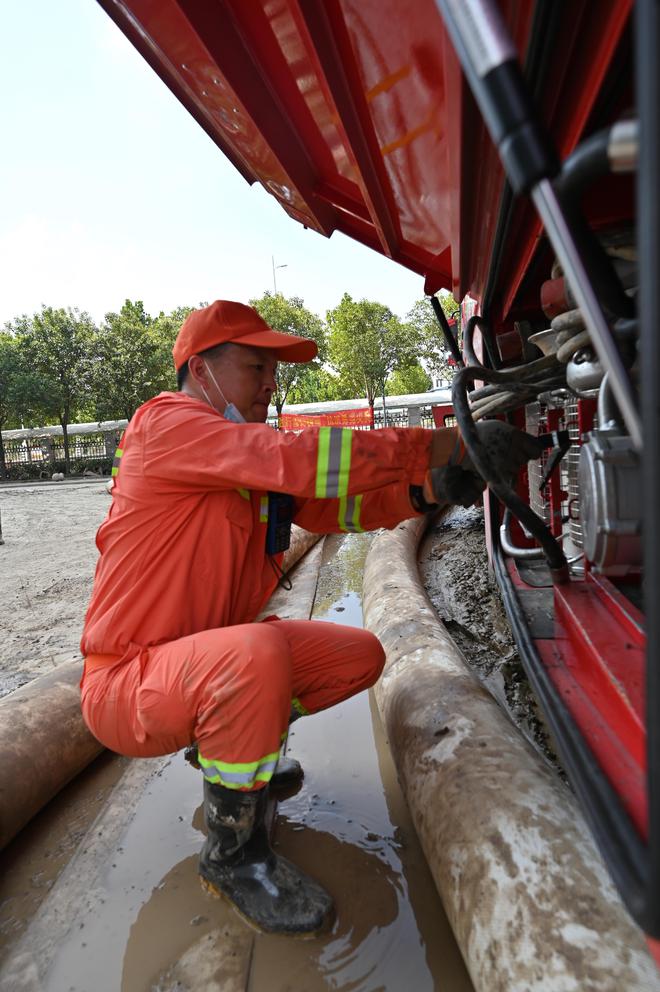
{"type": "Point", "coordinates": [36, 452]}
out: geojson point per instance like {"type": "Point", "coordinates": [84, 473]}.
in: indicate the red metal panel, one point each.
{"type": "Point", "coordinates": [596, 662]}
{"type": "Point", "coordinates": [185, 42]}
{"type": "Point", "coordinates": [607, 741]}
{"type": "Point", "coordinates": [397, 59]}
{"type": "Point", "coordinates": [355, 116]}
{"type": "Point", "coordinates": [331, 47]}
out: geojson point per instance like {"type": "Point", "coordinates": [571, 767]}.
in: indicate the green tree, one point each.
{"type": "Point", "coordinates": [413, 379]}
{"type": "Point", "coordinates": [56, 347]}
{"type": "Point", "coordinates": [164, 330]}
{"type": "Point", "coordinates": [366, 343]}
{"type": "Point", "coordinates": [11, 377]}
{"type": "Point", "coordinates": [318, 386]}
{"type": "Point", "coordinates": [132, 363]}
{"type": "Point", "coordinates": [21, 389]}
{"type": "Point", "coordinates": [292, 317]}
{"type": "Point", "coordinates": [434, 350]}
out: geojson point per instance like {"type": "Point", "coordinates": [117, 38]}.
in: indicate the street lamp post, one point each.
{"type": "Point", "coordinates": [272, 258]}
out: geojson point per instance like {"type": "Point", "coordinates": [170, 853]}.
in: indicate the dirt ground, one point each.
{"type": "Point", "coordinates": [460, 584]}
{"type": "Point", "coordinates": [46, 569]}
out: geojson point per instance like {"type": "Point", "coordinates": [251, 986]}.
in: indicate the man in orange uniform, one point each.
{"type": "Point", "coordinates": [172, 653]}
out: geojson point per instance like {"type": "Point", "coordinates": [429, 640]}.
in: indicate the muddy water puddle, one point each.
{"type": "Point", "coordinates": [137, 919]}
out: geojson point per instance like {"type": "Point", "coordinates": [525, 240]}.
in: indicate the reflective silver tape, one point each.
{"type": "Point", "coordinates": [334, 462]}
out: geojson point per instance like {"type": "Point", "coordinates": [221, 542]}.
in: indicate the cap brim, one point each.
{"type": "Point", "coordinates": [286, 347]}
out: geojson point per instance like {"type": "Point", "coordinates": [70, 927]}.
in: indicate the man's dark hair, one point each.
{"type": "Point", "coordinates": [214, 352]}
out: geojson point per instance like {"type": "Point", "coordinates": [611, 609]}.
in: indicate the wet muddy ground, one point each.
{"type": "Point", "coordinates": [453, 563]}
{"type": "Point", "coordinates": [128, 911]}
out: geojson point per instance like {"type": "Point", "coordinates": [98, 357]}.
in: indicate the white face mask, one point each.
{"type": "Point", "coordinates": [230, 412]}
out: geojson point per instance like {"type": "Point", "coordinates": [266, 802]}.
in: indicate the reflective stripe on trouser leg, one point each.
{"type": "Point", "coordinates": [349, 514]}
{"type": "Point", "coordinates": [239, 775]}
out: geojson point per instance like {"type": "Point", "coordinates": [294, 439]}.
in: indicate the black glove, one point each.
{"type": "Point", "coordinates": [454, 484]}
{"type": "Point", "coordinates": [507, 449]}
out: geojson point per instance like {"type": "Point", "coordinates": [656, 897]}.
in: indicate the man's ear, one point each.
{"type": "Point", "coordinates": [197, 370]}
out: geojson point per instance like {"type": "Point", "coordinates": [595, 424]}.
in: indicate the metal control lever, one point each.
{"type": "Point", "coordinates": [559, 442]}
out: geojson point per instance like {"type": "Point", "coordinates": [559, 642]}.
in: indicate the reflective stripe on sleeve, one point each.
{"type": "Point", "coordinates": [298, 708]}
{"type": "Point", "coordinates": [349, 514]}
{"type": "Point", "coordinates": [245, 493]}
{"type": "Point", "coordinates": [116, 460]}
{"type": "Point", "coordinates": [241, 775]}
{"type": "Point", "coordinates": [263, 510]}
{"type": "Point", "coordinates": [333, 464]}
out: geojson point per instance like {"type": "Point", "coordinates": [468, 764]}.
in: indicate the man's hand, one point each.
{"type": "Point", "coordinates": [452, 484]}
{"type": "Point", "coordinates": [457, 481]}
{"type": "Point", "coordinates": [507, 448]}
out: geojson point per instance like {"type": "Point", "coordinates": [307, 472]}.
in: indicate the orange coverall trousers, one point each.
{"type": "Point", "coordinates": [230, 690]}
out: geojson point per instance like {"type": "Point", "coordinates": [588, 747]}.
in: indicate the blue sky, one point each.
{"type": "Point", "coordinates": [111, 190]}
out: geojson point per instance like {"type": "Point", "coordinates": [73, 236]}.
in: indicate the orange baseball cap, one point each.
{"type": "Point", "coordinates": [225, 321]}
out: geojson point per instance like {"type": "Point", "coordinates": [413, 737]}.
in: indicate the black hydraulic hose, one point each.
{"type": "Point", "coordinates": [468, 345]}
{"type": "Point", "coordinates": [468, 341]}
{"type": "Point", "coordinates": [552, 549]}
{"type": "Point", "coordinates": [452, 343]}
{"type": "Point", "coordinates": [586, 163]}
{"type": "Point", "coordinates": [512, 386]}
{"type": "Point", "coordinates": [589, 161]}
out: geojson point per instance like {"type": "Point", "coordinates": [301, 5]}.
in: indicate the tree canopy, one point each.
{"type": "Point", "coordinates": [413, 379]}
{"type": "Point", "coordinates": [133, 360]}
{"type": "Point", "coordinates": [11, 387]}
{"type": "Point", "coordinates": [366, 343]}
{"type": "Point", "coordinates": [433, 347]}
{"type": "Point", "coordinates": [56, 348]}
{"type": "Point", "coordinates": [292, 317]}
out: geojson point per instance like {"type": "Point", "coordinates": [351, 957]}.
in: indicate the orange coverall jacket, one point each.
{"type": "Point", "coordinates": [182, 549]}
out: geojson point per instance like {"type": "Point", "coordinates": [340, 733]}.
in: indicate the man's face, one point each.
{"type": "Point", "coordinates": [246, 376]}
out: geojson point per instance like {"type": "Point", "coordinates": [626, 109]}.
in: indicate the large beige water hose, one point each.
{"type": "Point", "coordinates": [527, 895]}
{"type": "Point", "coordinates": [44, 743]}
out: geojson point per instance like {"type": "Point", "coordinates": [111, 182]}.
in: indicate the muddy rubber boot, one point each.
{"type": "Point", "coordinates": [287, 775]}
{"type": "Point", "coordinates": [238, 862]}
{"type": "Point", "coordinates": [288, 772]}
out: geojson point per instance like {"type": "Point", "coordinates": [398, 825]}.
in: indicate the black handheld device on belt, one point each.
{"type": "Point", "coordinates": [280, 518]}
